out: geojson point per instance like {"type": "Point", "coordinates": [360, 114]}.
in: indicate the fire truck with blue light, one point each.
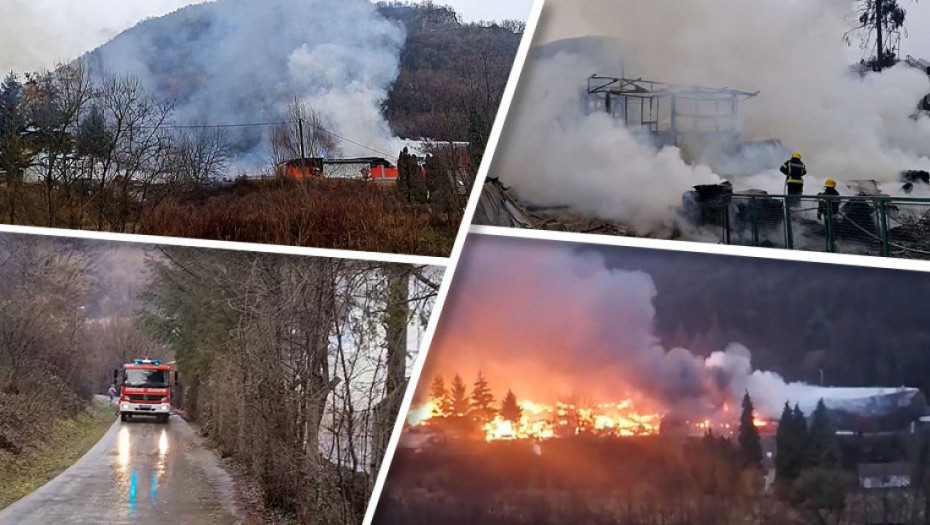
{"type": "Point", "coordinates": [145, 388]}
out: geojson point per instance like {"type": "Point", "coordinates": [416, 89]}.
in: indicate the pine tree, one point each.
{"type": "Point", "coordinates": [790, 445]}
{"type": "Point", "coordinates": [14, 154]}
{"type": "Point", "coordinates": [458, 397]}
{"type": "Point", "coordinates": [750, 445]}
{"type": "Point", "coordinates": [482, 401]}
{"type": "Point", "coordinates": [403, 177]}
{"type": "Point", "coordinates": [439, 183]}
{"type": "Point", "coordinates": [823, 450]}
{"type": "Point", "coordinates": [416, 180]}
{"type": "Point", "coordinates": [800, 429]}
{"type": "Point", "coordinates": [439, 395]}
{"type": "Point", "coordinates": [479, 130]}
{"type": "Point", "coordinates": [510, 410]}
{"type": "Point", "coordinates": [785, 451]}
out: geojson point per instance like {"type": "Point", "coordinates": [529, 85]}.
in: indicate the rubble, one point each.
{"type": "Point", "coordinates": [497, 207]}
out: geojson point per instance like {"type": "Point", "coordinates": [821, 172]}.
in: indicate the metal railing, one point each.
{"type": "Point", "coordinates": [882, 226]}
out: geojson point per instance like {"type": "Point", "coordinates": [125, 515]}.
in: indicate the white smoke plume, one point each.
{"type": "Point", "coordinates": [244, 61]}
{"type": "Point", "coordinates": [846, 127]}
{"type": "Point", "coordinates": [555, 323]}
{"type": "Point", "coordinates": [37, 34]}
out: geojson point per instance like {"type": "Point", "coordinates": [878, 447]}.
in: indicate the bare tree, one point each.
{"type": "Point", "coordinates": [299, 365]}
{"type": "Point", "coordinates": [137, 154]}
{"type": "Point", "coordinates": [199, 155]}
{"type": "Point", "coordinates": [303, 136]}
{"type": "Point", "coordinates": [57, 100]}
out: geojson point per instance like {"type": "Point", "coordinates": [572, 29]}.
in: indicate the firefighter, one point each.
{"type": "Point", "coordinates": [111, 393]}
{"type": "Point", "coordinates": [827, 209]}
{"type": "Point", "coordinates": [794, 171]}
{"type": "Point", "coordinates": [826, 206]}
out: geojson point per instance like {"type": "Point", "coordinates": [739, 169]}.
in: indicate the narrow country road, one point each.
{"type": "Point", "coordinates": [139, 472]}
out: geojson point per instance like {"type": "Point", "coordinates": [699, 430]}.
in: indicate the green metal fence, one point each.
{"type": "Point", "coordinates": [882, 226]}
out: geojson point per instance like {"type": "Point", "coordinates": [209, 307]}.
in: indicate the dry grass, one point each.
{"type": "Point", "coordinates": [63, 441]}
{"type": "Point", "coordinates": [348, 215]}
{"type": "Point", "coordinates": [336, 214]}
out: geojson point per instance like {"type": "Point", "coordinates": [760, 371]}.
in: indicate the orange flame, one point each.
{"type": "Point", "coordinates": [541, 421]}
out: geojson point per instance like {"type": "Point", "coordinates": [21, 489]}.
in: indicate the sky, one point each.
{"type": "Point", "coordinates": [36, 34]}
{"type": "Point", "coordinates": [566, 19]}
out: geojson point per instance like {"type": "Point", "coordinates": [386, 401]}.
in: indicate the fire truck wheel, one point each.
{"type": "Point", "coordinates": [123, 416]}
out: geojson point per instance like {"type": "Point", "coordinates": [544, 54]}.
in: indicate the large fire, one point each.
{"type": "Point", "coordinates": [539, 421]}
{"type": "Point", "coordinates": [542, 421]}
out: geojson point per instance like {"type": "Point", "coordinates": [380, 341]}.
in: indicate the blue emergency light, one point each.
{"type": "Point", "coordinates": [147, 362]}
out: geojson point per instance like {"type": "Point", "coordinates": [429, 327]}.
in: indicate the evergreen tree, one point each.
{"type": "Point", "coordinates": [750, 445]}
{"type": "Point", "coordinates": [878, 22]}
{"type": "Point", "coordinates": [790, 445]}
{"type": "Point", "coordinates": [403, 177]}
{"type": "Point", "coordinates": [510, 410]}
{"type": "Point", "coordinates": [14, 151]}
{"type": "Point", "coordinates": [416, 180]}
{"type": "Point", "coordinates": [482, 401]}
{"type": "Point", "coordinates": [93, 137]}
{"type": "Point", "coordinates": [785, 453]}
{"type": "Point", "coordinates": [439, 395]}
{"type": "Point", "coordinates": [822, 447]}
{"type": "Point", "coordinates": [800, 428]}
{"type": "Point", "coordinates": [439, 183]}
{"type": "Point", "coordinates": [458, 397]}
{"type": "Point", "coordinates": [479, 131]}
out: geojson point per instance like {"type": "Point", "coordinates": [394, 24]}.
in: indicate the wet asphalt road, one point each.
{"type": "Point", "coordinates": [139, 472]}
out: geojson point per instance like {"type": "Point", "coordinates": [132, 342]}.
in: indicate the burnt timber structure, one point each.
{"type": "Point", "coordinates": [672, 113]}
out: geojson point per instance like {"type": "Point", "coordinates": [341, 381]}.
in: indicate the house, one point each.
{"type": "Point", "coordinates": [875, 476]}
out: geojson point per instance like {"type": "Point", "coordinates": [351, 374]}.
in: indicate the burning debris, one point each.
{"type": "Point", "coordinates": [584, 389]}
{"type": "Point", "coordinates": [585, 360]}
{"type": "Point", "coordinates": [540, 422]}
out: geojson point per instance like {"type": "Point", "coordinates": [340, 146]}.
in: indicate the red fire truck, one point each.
{"type": "Point", "coordinates": [145, 387]}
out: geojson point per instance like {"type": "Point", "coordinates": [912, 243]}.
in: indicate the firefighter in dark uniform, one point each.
{"type": "Point", "coordinates": [794, 171]}
{"type": "Point", "coordinates": [828, 206]}
{"type": "Point", "coordinates": [827, 210]}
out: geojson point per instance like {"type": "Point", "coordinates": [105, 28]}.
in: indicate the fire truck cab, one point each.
{"type": "Point", "coordinates": [145, 389]}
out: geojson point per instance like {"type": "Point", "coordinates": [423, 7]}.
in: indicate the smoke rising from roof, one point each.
{"type": "Point", "coordinates": [244, 61]}
{"type": "Point", "coordinates": [554, 322]}
{"type": "Point", "coordinates": [846, 127]}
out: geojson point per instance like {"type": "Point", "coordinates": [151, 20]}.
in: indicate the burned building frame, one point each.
{"type": "Point", "coordinates": [669, 112]}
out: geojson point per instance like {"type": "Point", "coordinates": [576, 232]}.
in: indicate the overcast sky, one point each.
{"type": "Point", "coordinates": [490, 9]}
{"type": "Point", "coordinates": [35, 34]}
{"type": "Point", "coordinates": [569, 19]}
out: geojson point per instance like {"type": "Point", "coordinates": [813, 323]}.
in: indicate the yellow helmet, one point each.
{"type": "Point", "coordinates": [830, 183]}
{"type": "Point", "coordinates": [796, 155]}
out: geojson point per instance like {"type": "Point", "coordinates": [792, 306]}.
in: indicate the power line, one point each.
{"type": "Point", "coordinates": [214, 126]}
{"type": "Point", "coordinates": [350, 141]}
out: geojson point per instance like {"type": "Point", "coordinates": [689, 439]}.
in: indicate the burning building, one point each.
{"type": "Point", "coordinates": [672, 115]}
{"type": "Point", "coordinates": [373, 168]}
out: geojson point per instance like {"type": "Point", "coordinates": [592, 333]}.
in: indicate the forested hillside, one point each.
{"type": "Point", "coordinates": [854, 324]}
{"type": "Point", "coordinates": [452, 74]}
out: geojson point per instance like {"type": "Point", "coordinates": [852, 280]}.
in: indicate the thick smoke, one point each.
{"type": "Point", "coordinates": [846, 127]}
{"type": "Point", "coordinates": [553, 323]}
{"type": "Point", "coordinates": [245, 61]}
{"type": "Point", "coordinates": [36, 34]}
